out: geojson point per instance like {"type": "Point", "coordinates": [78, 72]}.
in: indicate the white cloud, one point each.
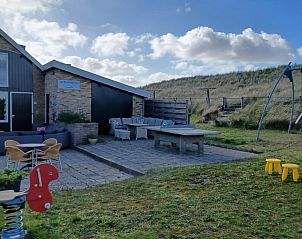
{"type": "Point", "coordinates": [181, 66]}
{"type": "Point", "coordinates": [127, 79]}
{"type": "Point", "coordinates": [143, 38]}
{"type": "Point", "coordinates": [300, 51]}
{"type": "Point", "coordinates": [160, 76]}
{"type": "Point", "coordinates": [52, 36]}
{"type": "Point", "coordinates": [30, 6]}
{"type": "Point", "coordinates": [43, 39]}
{"type": "Point", "coordinates": [210, 68]}
{"type": "Point", "coordinates": [110, 44]}
{"type": "Point", "coordinates": [205, 44]}
{"type": "Point", "coordinates": [104, 67]}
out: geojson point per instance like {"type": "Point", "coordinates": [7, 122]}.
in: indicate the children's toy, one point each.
{"type": "Point", "coordinates": [38, 197]}
{"type": "Point", "coordinates": [287, 71]}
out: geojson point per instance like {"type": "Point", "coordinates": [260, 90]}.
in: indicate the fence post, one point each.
{"type": "Point", "coordinates": [241, 102]}
{"type": "Point", "coordinates": [224, 102]}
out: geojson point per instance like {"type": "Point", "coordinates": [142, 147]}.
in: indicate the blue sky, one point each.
{"type": "Point", "coordinates": [138, 42]}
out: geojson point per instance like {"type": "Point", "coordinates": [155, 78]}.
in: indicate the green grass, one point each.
{"type": "Point", "coordinates": [225, 200]}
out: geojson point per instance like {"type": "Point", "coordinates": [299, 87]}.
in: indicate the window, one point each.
{"type": "Point", "coordinates": [3, 70]}
{"type": "Point", "coordinates": [3, 107]}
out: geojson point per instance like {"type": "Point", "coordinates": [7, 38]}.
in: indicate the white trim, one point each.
{"type": "Point", "coordinates": [45, 108]}
{"type": "Point", "coordinates": [5, 95]}
{"type": "Point", "coordinates": [11, 107]}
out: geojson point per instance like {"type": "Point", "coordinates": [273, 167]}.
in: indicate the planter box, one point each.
{"type": "Point", "coordinates": [80, 131]}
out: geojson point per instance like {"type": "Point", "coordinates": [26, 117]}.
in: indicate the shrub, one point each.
{"type": "Point", "coordinates": [10, 177]}
{"type": "Point", "coordinates": [70, 117]}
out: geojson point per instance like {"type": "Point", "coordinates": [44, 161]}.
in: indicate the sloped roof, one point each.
{"type": "Point", "coordinates": [74, 70]}
{"type": "Point", "coordinates": [20, 49]}
{"type": "Point", "coordinates": [95, 77]}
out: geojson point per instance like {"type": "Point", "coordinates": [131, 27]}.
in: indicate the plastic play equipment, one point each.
{"type": "Point", "coordinates": [287, 71]}
{"type": "Point", "coordinates": [38, 197]}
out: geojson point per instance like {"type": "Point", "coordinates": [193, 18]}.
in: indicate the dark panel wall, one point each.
{"type": "Point", "coordinates": [20, 75]}
{"type": "Point", "coordinates": [108, 103]}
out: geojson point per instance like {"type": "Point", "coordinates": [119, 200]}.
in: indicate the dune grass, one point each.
{"type": "Point", "coordinates": [225, 200]}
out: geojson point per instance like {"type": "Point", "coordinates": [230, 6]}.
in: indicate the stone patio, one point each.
{"type": "Point", "coordinates": [79, 171]}
{"type": "Point", "coordinates": [140, 156]}
{"type": "Point", "coordinates": [112, 160]}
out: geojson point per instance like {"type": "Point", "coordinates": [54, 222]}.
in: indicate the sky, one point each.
{"type": "Point", "coordinates": [138, 42]}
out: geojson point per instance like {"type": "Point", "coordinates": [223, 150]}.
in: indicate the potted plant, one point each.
{"type": "Point", "coordinates": [92, 138]}
{"type": "Point", "coordinates": [10, 179]}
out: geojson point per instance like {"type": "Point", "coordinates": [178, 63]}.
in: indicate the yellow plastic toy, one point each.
{"type": "Point", "coordinates": [273, 164]}
{"type": "Point", "coordinates": [292, 166]}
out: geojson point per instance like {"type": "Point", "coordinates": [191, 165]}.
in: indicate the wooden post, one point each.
{"type": "Point", "coordinates": [224, 102]}
{"type": "Point", "coordinates": [208, 97]}
{"type": "Point", "coordinates": [207, 89]}
{"type": "Point", "coordinates": [241, 102]}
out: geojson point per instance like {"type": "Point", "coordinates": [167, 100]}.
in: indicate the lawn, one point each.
{"type": "Point", "coordinates": [225, 200]}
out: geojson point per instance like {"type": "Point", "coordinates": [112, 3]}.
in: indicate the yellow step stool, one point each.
{"type": "Point", "coordinates": [273, 164]}
{"type": "Point", "coordinates": [292, 166]}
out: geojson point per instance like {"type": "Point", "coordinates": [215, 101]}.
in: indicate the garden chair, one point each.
{"type": "Point", "coordinates": [11, 142]}
{"type": "Point", "coordinates": [49, 142]}
{"type": "Point", "coordinates": [116, 123]}
{"type": "Point", "coordinates": [17, 156]}
{"type": "Point", "coordinates": [52, 153]}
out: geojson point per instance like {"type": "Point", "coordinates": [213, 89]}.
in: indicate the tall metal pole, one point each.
{"type": "Point", "coordinates": [293, 108]}
{"type": "Point", "coordinates": [269, 99]}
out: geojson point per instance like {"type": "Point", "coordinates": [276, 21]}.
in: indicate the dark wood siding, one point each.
{"type": "Point", "coordinates": [20, 73]}
{"type": "Point", "coordinates": [106, 103]}
{"type": "Point", "coordinates": [20, 78]}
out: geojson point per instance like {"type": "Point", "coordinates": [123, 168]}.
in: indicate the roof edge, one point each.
{"type": "Point", "coordinates": [20, 49]}
{"type": "Point", "coordinates": [94, 77]}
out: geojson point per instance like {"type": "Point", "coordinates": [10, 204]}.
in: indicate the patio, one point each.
{"type": "Point", "coordinates": [112, 160]}
{"type": "Point", "coordinates": [140, 156]}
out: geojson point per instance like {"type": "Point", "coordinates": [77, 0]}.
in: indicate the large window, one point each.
{"type": "Point", "coordinates": [3, 107]}
{"type": "Point", "coordinates": [3, 70]}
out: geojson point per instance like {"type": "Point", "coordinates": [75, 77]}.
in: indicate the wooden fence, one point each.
{"type": "Point", "coordinates": [176, 110]}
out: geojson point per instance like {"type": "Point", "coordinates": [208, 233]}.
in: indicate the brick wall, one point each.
{"type": "Point", "coordinates": [61, 100]}
{"type": "Point", "coordinates": [138, 106]}
{"type": "Point", "coordinates": [80, 131]}
{"type": "Point", "coordinates": [39, 95]}
{"type": "Point", "coordinates": [6, 45]}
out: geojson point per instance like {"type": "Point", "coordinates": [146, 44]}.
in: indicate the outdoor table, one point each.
{"type": "Point", "coordinates": [34, 147]}
{"type": "Point", "coordinates": [180, 136]}
{"type": "Point", "coordinates": [137, 130]}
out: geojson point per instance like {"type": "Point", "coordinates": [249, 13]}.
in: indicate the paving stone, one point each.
{"type": "Point", "coordinates": [78, 172]}
{"type": "Point", "coordinates": [141, 155]}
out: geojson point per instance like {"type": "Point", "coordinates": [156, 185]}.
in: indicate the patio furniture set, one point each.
{"type": "Point", "coordinates": [124, 128]}
{"type": "Point", "coordinates": [32, 153]}
{"type": "Point", "coordinates": [51, 131]}
{"type": "Point", "coordinates": [179, 136]}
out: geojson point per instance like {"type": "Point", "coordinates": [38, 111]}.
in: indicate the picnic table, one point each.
{"type": "Point", "coordinates": [181, 137]}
